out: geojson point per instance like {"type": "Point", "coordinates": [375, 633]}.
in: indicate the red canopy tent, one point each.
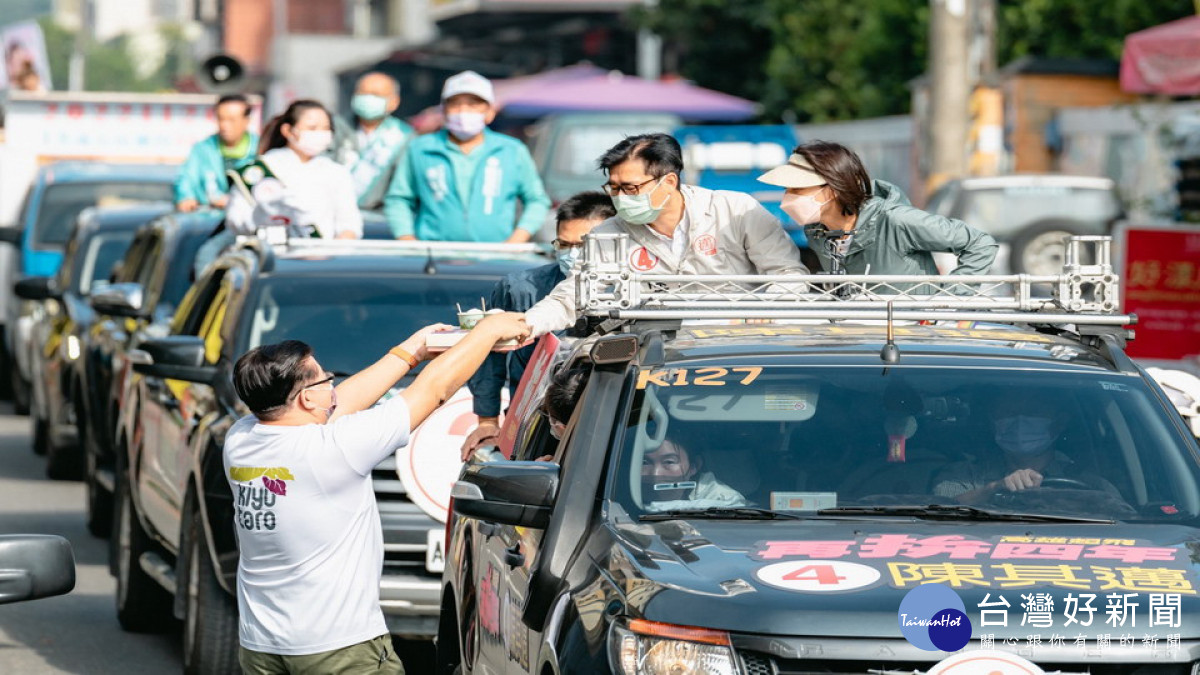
{"type": "Point", "coordinates": [1164, 59]}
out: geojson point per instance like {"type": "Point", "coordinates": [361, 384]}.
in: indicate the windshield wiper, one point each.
{"type": "Point", "coordinates": [722, 513]}
{"type": "Point", "coordinates": [954, 512]}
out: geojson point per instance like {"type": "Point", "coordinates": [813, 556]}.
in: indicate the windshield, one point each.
{"type": "Point", "coordinates": [352, 321]}
{"type": "Point", "coordinates": [62, 203]}
{"type": "Point", "coordinates": [1002, 209]}
{"type": "Point", "coordinates": [102, 253]}
{"type": "Point", "coordinates": [800, 440]}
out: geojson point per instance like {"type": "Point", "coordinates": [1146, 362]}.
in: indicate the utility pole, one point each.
{"type": "Point", "coordinates": [75, 67]}
{"type": "Point", "coordinates": [949, 96]}
{"type": "Point", "coordinates": [649, 50]}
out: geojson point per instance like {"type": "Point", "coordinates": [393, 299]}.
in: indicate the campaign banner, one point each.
{"type": "Point", "coordinates": [1160, 283]}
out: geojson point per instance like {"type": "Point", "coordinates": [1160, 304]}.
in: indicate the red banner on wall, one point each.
{"type": "Point", "coordinates": [1160, 283]}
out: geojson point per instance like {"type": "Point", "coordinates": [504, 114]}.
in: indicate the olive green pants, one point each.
{"type": "Point", "coordinates": [372, 656]}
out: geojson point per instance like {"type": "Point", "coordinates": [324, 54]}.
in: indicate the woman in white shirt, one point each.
{"type": "Point", "coordinates": [312, 194]}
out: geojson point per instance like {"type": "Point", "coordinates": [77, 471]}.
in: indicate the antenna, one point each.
{"type": "Point", "coordinates": [890, 352]}
{"type": "Point", "coordinates": [430, 266]}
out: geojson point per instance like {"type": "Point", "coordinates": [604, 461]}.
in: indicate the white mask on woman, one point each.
{"type": "Point", "coordinates": [804, 209]}
{"type": "Point", "coordinates": [312, 142]}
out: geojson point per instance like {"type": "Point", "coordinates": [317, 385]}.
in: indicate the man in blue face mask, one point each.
{"type": "Point", "coordinates": [518, 292]}
{"type": "Point", "coordinates": [377, 141]}
{"type": "Point", "coordinates": [676, 228]}
{"type": "Point", "coordinates": [1025, 426]}
{"type": "Point", "coordinates": [464, 183]}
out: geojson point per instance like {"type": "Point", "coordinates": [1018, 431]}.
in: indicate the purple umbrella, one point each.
{"type": "Point", "coordinates": [586, 88]}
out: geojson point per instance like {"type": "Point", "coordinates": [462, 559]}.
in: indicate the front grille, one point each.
{"type": "Point", "coordinates": [755, 664]}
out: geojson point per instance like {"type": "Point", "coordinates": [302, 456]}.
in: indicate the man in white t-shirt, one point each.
{"type": "Point", "coordinates": [308, 527]}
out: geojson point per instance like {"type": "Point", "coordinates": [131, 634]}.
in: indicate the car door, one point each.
{"type": "Point", "coordinates": [506, 560]}
{"type": "Point", "coordinates": [164, 413]}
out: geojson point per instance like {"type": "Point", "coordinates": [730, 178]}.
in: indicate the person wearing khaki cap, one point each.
{"type": "Point", "coordinates": [863, 226]}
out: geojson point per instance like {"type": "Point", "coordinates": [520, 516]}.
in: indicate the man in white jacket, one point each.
{"type": "Point", "coordinates": [675, 228]}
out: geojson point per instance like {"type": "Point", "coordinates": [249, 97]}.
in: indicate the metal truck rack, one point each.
{"type": "Point", "coordinates": [1083, 294]}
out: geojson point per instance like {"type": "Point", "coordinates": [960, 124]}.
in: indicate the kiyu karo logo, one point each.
{"type": "Point", "coordinates": [933, 617]}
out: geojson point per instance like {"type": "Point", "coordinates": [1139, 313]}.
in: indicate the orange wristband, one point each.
{"type": "Point", "coordinates": [404, 356]}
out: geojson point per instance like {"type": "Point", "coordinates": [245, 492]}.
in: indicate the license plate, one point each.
{"type": "Point", "coordinates": [435, 553]}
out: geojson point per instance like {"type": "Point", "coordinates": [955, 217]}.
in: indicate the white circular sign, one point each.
{"type": "Point", "coordinates": [429, 465]}
{"type": "Point", "coordinates": [817, 576]}
{"type": "Point", "coordinates": [985, 661]}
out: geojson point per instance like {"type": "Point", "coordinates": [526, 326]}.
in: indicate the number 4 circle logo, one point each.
{"type": "Point", "coordinates": [818, 576]}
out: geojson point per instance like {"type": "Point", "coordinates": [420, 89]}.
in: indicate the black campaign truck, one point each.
{"type": "Point", "coordinates": [842, 460]}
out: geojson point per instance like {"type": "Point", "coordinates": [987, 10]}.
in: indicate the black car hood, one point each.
{"type": "Point", "coordinates": [713, 573]}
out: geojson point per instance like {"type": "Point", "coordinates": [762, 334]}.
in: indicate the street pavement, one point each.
{"type": "Point", "coordinates": [78, 632]}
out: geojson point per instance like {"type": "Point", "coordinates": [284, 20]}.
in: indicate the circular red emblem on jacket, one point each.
{"type": "Point", "coordinates": [706, 245]}
{"type": "Point", "coordinates": [642, 260]}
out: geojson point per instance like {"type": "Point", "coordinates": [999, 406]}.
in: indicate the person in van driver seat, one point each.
{"type": "Point", "coordinates": [673, 478]}
{"type": "Point", "coordinates": [1025, 428]}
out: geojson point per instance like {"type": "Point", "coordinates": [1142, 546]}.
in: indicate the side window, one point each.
{"type": "Point", "coordinates": [195, 306]}
{"type": "Point", "coordinates": [214, 320]}
{"type": "Point", "coordinates": [537, 441]}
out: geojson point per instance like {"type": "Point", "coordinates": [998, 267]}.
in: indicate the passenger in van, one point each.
{"type": "Point", "coordinates": [675, 228]}
{"type": "Point", "coordinates": [518, 292]}
{"type": "Point", "coordinates": [673, 478]}
{"type": "Point", "coordinates": [1025, 429]}
{"type": "Point", "coordinates": [863, 226]}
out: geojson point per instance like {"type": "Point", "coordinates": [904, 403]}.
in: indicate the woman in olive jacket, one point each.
{"type": "Point", "coordinates": [861, 226]}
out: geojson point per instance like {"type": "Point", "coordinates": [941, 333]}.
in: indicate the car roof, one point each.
{"type": "Point", "coordinates": [130, 217]}
{"type": "Point", "coordinates": [89, 172]}
{"type": "Point", "coordinates": [196, 220]}
{"type": "Point", "coordinates": [858, 343]}
{"type": "Point", "coordinates": [1038, 180]}
{"type": "Point", "coordinates": [374, 259]}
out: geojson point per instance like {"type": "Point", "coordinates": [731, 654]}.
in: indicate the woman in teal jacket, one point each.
{"type": "Point", "coordinates": [861, 226]}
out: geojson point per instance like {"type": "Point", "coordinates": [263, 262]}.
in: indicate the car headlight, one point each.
{"type": "Point", "coordinates": [71, 347]}
{"type": "Point", "coordinates": [639, 647]}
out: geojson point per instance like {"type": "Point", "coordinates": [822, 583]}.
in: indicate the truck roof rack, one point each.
{"type": "Point", "coordinates": [393, 246]}
{"type": "Point", "coordinates": [1083, 294]}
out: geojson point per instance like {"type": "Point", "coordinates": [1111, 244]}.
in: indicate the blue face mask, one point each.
{"type": "Point", "coordinates": [368, 106]}
{"type": "Point", "coordinates": [1025, 435]}
{"type": "Point", "coordinates": [567, 258]}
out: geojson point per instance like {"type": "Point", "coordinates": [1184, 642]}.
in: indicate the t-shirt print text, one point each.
{"type": "Point", "coordinates": [257, 492]}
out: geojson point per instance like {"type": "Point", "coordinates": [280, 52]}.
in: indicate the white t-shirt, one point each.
{"type": "Point", "coordinates": [308, 528]}
{"type": "Point", "coordinates": [318, 193]}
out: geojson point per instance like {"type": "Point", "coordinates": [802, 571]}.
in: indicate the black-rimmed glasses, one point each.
{"type": "Point", "coordinates": [628, 189]}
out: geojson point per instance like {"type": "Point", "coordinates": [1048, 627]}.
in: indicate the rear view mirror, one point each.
{"type": "Point", "coordinates": [123, 299]}
{"type": "Point", "coordinates": [36, 288]}
{"type": "Point", "coordinates": [11, 235]}
{"type": "Point", "coordinates": [35, 566]}
{"type": "Point", "coordinates": [175, 357]}
{"type": "Point", "coordinates": [510, 493]}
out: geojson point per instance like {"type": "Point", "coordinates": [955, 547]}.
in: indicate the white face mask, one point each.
{"type": "Point", "coordinates": [1025, 435]}
{"type": "Point", "coordinates": [465, 125]}
{"type": "Point", "coordinates": [804, 209]}
{"type": "Point", "coordinates": [639, 209]}
{"type": "Point", "coordinates": [312, 142]}
{"type": "Point", "coordinates": [567, 258]}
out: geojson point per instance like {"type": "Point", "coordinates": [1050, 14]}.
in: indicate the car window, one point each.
{"type": "Point", "coordinates": [1015, 206]}
{"type": "Point", "coordinates": [63, 202]}
{"type": "Point", "coordinates": [177, 277]}
{"type": "Point", "coordinates": [800, 439]}
{"type": "Point", "coordinates": [578, 147]}
{"type": "Point", "coordinates": [135, 258]}
{"type": "Point", "coordinates": [372, 313]}
{"type": "Point", "coordinates": [192, 310]}
{"type": "Point", "coordinates": [212, 324]}
{"type": "Point", "coordinates": [95, 262]}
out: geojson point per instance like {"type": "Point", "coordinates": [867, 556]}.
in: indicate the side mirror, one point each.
{"type": "Point", "coordinates": [36, 288]}
{"type": "Point", "coordinates": [175, 357]}
{"type": "Point", "coordinates": [510, 493]}
{"type": "Point", "coordinates": [118, 300]}
{"type": "Point", "coordinates": [35, 566]}
{"type": "Point", "coordinates": [11, 235]}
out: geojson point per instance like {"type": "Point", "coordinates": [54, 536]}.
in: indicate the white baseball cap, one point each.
{"type": "Point", "coordinates": [797, 173]}
{"type": "Point", "coordinates": [469, 82]}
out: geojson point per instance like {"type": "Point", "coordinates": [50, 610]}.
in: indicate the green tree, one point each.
{"type": "Point", "coordinates": [1077, 28]}
{"type": "Point", "coordinates": [109, 66]}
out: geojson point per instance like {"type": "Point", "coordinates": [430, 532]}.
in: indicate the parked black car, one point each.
{"type": "Point", "coordinates": [147, 286]}
{"type": "Point", "coordinates": [813, 474]}
{"type": "Point", "coordinates": [97, 242]}
{"type": "Point", "coordinates": [174, 543]}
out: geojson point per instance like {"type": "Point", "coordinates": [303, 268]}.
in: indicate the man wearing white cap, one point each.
{"type": "Point", "coordinates": [463, 183]}
{"type": "Point", "coordinates": [860, 226]}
